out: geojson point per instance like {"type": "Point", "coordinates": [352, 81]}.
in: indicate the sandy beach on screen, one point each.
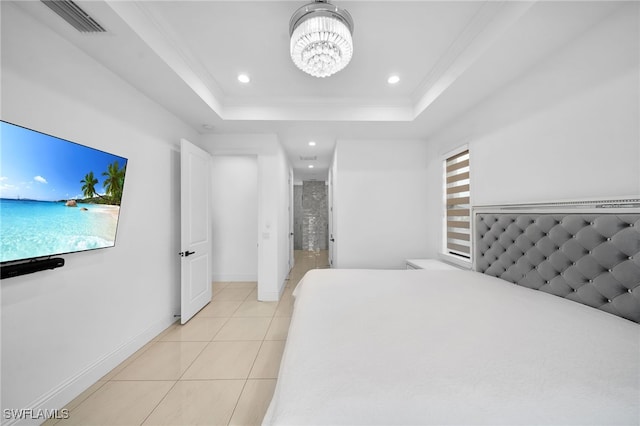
{"type": "Point", "coordinates": [113, 211]}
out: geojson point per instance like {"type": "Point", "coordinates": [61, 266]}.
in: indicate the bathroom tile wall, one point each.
{"type": "Point", "coordinates": [310, 216]}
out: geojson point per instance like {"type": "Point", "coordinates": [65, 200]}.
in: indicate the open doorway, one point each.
{"type": "Point", "coordinates": [311, 224]}
{"type": "Point", "coordinates": [235, 219]}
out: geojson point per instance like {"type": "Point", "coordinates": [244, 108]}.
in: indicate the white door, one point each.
{"type": "Point", "coordinates": [292, 260]}
{"type": "Point", "coordinates": [332, 230]}
{"type": "Point", "coordinates": [195, 232]}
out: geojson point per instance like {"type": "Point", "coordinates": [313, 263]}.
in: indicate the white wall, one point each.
{"type": "Point", "coordinates": [273, 200]}
{"type": "Point", "coordinates": [585, 147]}
{"type": "Point", "coordinates": [64, 329]}
{"type": "Point", "coordinates": [572, 144]}
{"type": "Point", "coordinates": [235, 218]}
{"type": "Point", "coordinates": [380, 203]}
{"type": "Point", "coordinates": [281, 189]}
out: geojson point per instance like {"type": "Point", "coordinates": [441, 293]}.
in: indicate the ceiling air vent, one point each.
{"type": "Point", "coordinates": [310, 158]}
{"type": "Point", "coordinates": [74, 15]}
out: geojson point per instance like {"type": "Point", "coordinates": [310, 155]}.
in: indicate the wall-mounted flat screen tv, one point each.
{"type": "Point", "coordinates": [56, 196]}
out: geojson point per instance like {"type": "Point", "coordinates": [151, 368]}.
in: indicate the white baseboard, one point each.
{"type": "Point", "coordinates": [69, 389]}
{"type": "Point", "coordinates": [270, 296]}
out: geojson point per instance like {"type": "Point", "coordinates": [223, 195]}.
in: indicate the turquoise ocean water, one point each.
{"type": "Point", "coordinates": [42, 228]}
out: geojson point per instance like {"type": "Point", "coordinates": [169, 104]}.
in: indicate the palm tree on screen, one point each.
{"type": "Point", "coordinates": [114, 182]}
{"type": "Point", "coordinates": [89, 185]}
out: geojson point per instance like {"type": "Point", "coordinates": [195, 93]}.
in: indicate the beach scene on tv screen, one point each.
{"type": "Point", "coordinates": [56, 196]}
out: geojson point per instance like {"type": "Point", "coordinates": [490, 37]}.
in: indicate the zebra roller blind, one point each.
{"type": "Point", "coordinates": [458, 205]}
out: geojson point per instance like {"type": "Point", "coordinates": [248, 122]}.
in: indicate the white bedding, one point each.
{"type": "Point", "coordinates": [435, 347]}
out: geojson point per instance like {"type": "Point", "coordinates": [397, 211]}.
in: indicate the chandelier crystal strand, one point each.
{"type": "Point", "coordinates": [321, 46]}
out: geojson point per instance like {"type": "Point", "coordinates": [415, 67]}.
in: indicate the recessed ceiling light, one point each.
{"type": "Point", "coordinates": [312, 143]}
{"type": "Point", "coordinates": [311, 166]}
{"type": "Point", "coordinates": [393, 79]}
{"type": "Point", "coordinates": [243, 78]}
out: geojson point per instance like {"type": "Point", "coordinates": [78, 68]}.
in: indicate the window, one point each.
{"type": "Point", "coordinates": [458, 205]}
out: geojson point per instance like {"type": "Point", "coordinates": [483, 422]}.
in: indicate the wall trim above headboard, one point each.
{"type": "Point", "coordinates": [585, 251]}
{"type": "Point", "coordinates": [617, 202]}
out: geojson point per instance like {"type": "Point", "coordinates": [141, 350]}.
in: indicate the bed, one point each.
{"type": "Point", "coordinates": [544, 330]}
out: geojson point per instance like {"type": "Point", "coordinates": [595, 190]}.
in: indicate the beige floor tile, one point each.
{"type": "Point", "coordinates": [119, 403]}
{"type": "Point", "coordinates": [288, 292]}
{"type": "Point", "coordinates": [84, 395]}
{"type": "Point", "coordinates": [243, 284]}
{"type": "Point", "coordinates": [253, 403]}
{"type": "Point", "coordinates": [110, 375]}
{"type": "Point", "coordinates": [229, 293]}
{"type": "Point", "coordinates": [211, 374]}
{"type": "Point", "coordinates": [305, 266]}
{"type": "Point", "coordinates": [244, 329]}
{"type": "Point", "coordinates": [216, 288]}
{"type": "Point", "coordinates": [253, 295]}
{"type": "Point", "coordinates": [285, 307]}
{"type": "Point", "coordinates": [255, 308]}
{"type": "Point", "coordinates": [219, 285]}
{"type": "Point", "coordinates": [162, 361]}
{"type": "Point", "coordinates": [197, 329]}
{"type": "Point", "coordinates": [279, 329]}
{"type": "Point", "coordinates": [267, 362]}
{"type": "Point", "coordinates": [165, 331]}
{"type": "Point", "coordinates": [200, 402]}
{"type": "Point", "coordinates": [224, 360]}
{"type": "Point", "coordinates": [219, 308]}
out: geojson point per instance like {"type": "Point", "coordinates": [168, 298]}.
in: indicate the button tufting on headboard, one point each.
{"type": "Point", "coordinates": [590, 258]}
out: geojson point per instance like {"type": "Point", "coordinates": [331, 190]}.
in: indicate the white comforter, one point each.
{"type": "Point", "coordinates": [437, 347]}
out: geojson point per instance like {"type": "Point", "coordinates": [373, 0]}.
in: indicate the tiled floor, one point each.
{"type": "Point", "coordinates": [218, 369]}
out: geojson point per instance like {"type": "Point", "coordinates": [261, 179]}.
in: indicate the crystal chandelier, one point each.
{"type": "Point", "coordinates": [321, 43]}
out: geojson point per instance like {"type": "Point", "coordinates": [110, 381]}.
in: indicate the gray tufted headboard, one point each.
{"type": "Point", "coordinates": [586, 252]}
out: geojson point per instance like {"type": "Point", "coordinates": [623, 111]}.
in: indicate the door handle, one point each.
{"type": "Point", "coordinates": [186, 253]}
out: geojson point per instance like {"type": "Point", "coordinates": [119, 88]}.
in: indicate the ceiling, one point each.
{"type": "Point", "coordinates": [450, 57]}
